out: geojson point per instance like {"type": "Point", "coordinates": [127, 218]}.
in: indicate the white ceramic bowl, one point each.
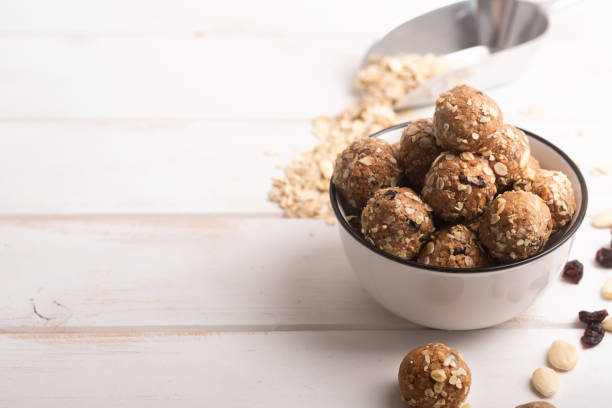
{"type": "Point", "coordinates": [463, 299]}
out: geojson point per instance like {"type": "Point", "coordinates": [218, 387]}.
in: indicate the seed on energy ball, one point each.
{"type": "Point", "coordinates": [593, 334]}
{"type": "Point", "coordinates": [545, 381]}
{"type": "Point", "coordinates": [604, 257]}
{"type": "Point", "coordinates": [562, 355]}
{"type": "Point", "coordinates": [434, 376]}
{"type": "Point", "coordinates": [592, 317]}
{"type": "Point", "coordinates": [573, 271]}
{"type": "Point", "coordinates": [537, 404]}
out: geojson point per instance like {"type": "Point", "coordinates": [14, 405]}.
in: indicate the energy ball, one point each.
{"type": "Point", "coordinates": [459, 187]}
{"type": "Point", "coordinates": [434, 376]}
{"type": "Point", "coordinates": [464, 117]}
{"type": "Point", "coordinates": [556, 190]}
{"type": "Point", "coordinates": [454, 247]}
{"type": "Point", "coordinates": [515, 226]}
{"type": "Point", "coordinates": [418, 149]}
{"type": "Point", "coordinates": [508, 153]}
{"type": "Point", "coordinates": [365, 166]}
{"type": "Point", "coordinates": [397, 221]}
{"type": "Point", "coordinates": [529, 172]}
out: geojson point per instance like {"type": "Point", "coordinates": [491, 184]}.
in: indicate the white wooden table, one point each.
{"type": "Point", "coordinates": [141, 263]}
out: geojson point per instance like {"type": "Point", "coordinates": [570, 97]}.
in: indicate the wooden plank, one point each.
{"type": "Point", "coordinates": [298, 369]}
{"type": "Point", "coordinates": [213, 272]}
{"type": "Point", "coordinates": [190, 166]}
{"type": "Point", "coordinates": [240, 78]}
{"type": "Point", "coordinates": [153, 166]}
{"type": "Point", "coordinates": [138, 17]}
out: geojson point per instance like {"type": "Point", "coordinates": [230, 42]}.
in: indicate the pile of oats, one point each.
{"type": "Point", "coordinates": [303, 190]}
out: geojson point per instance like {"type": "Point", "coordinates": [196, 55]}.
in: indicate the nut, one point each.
{"type": "Point", "coordinates": [537, 404]}
{"type": "Point", "coordinates": [607, 324]}
{"type": "Point", "coordinates": [603, 219]}
{"type": "Point", "coordinates": [606, 291]}
{"type": "Point", "coordinates": [562, 355]}
{"type": "Point", "coordinates": [545, 381]}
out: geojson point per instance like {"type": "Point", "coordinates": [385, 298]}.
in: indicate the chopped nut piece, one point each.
{"type": "Point", "coordinates": [545, 381]}
{"type": "Point", "coordinates": [562, 355]}
{"type": "Point", "coordinates": [606, 290]}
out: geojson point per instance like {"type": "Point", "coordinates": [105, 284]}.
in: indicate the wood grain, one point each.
{"type": "Point", "coordinates": [298, 369]}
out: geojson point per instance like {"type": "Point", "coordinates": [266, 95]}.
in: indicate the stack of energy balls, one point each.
{"type": "Point", "coordinates": [484, 198]}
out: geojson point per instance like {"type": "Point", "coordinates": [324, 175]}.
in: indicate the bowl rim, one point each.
{"type": "Point", "coordinates": [488, 269]}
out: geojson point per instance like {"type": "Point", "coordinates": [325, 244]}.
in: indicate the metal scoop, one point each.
{"type": "Point", "coordinates": [487, 43]}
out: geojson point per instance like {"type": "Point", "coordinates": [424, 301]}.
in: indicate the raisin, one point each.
{"type": "Point", "coordinates": [414, 225]}
{"type": "Point", "coordinates": [459, 251]}
{"type": "Point", "coordinates": [593, 317]}
{"type": "Point", "coordinates": [593, 334]}
{"type": "Point", "coordinates": [390, 194]}
{"type": "Point", "coordinates": [604, 257]}
{"type": "Point", "coordinates": [475, 181]}
{"type": "Point", "coordinates": [573, 271]}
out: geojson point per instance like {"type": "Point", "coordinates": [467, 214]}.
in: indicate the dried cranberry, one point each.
{"type": "Point", "coordinates": [573, 271]}
{"type": "Point", "coordinates": [390, 194]}
{"type": "Point", "coordinates": [604, 257]}
{"type": "Point", "coordinates": [593, 317]}
{"type": "Point", "coordinates": [593, 334]}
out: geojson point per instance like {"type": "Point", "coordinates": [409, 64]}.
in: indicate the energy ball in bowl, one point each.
{"type": "Point", "coordinates": [464, 117]}
{"type": "Point", "coordinates": [459, 187]}
{"type": "Point", "coordinates": [454, 247]}
{"type": "Point", "coordinates": [418, 149]}
{"type": "Point", "coordinates": [556, 190]}
{"type": "Point", "coordinates": [508, 153]}
{"type": "Point", "coordinates": [434, 376]}
{"type": "Point", "coordinates": [515, 226]}
{"type": "Point", "coordinates": [365, 166]}
{"type": "Point", "coordinates": [529, 172]}
{"type": "Point", "coordinates": [397, 221]}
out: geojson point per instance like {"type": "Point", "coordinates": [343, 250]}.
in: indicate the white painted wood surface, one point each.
{"type": "Point", "coordinates": [142, 265]}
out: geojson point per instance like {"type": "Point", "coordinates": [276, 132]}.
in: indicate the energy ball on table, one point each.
{"type": "Point", "coordinates": [515, 226]}
{"type": "Point", "coordinates": [508, 153]}
{"type": "Point", "coordinates": [459, 187]}
{"type": "Point", "coordinates": [418, 149]}
{"type": "Point", "coordinates": [454, 247]}
{"type": "Point", "coordinates": [396, 221]}
{"type": "Point", "coordinates": [434, 376]}
{"type": "Point", "coordinates": [556, 190]}
{"type": "Point", "coordinates": [365, 166]}
{"type": "Point", "coordinates": [464, 117]}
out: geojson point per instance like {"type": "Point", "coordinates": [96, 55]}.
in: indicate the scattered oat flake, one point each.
{"type": "Point", "coordinates": [601, 170]}
{"type": "Point", "coordinates": [271, 154]}
{"type": "Point", "coordinates": [528, 111]}
{"type": "Point", "coordinates": [303, 189]}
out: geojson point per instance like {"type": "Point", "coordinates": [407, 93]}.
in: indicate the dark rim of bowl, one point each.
{"type": "Point", "coordinates": [567, 234]}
